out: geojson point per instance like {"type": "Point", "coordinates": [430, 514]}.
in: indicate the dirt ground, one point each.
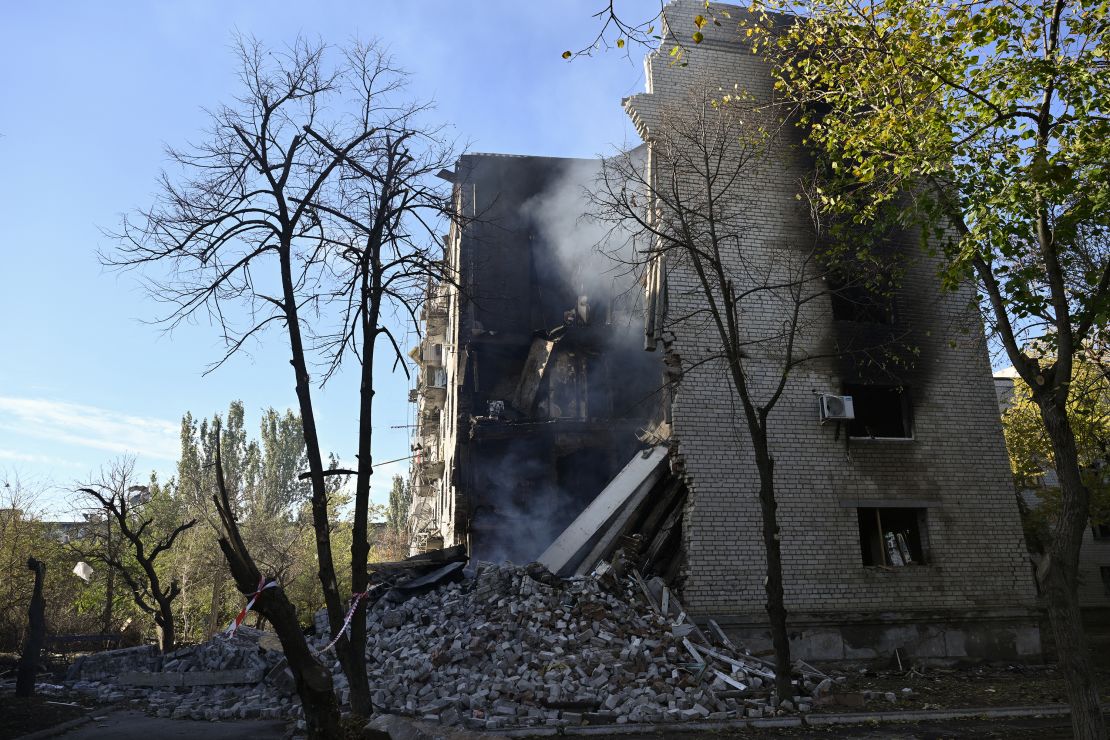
{"type": "Point", "coordinates": [1031, 728]}
{"type": "Point", "coordinates": [131, 724]}
{"type": "Point", "coordinates": [21, 716]}
{"type": "Point", "coordinates": [955, 688]}
{"type": "Point", "coordinates": [930, 688]}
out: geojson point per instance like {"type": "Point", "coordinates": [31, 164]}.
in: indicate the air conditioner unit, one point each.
{"type": "Point", "coordinates": [836, 408]}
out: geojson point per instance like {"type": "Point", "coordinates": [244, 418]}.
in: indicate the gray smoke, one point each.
{"type": "Point", "coordinates": [594, 257]}
{"type": "Point", "coordinates": [526, 506]}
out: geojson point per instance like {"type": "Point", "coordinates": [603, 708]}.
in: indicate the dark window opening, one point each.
{"type": "Point", "coordinates": [1104, 570]}
{"type": "Point", "coordinates": [1101, 531]}
{"type": "Point", "coordinates": [892, 536]}
{"type": "Point", "coordinates": [881, 411]}
{"type": "Point", "coordinates": [862, 302]}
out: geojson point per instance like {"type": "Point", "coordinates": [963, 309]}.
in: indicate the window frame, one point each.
{"type": "Point", "coordinates": [858, 304]}
{"type": "Point", "coordinates": [906, 401]}
{"type": "Point", "coordinates": [919, 541]}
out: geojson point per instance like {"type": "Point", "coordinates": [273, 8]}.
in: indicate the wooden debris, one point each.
{"type": "Point", "coordinates": [644, 589]}
{"type": "Point", "coordinates": [807, 670]}
{"type": "Point", "coordinates": [722, 638]}
{"type": "Point", "coordinates": [730, 680]}
{"type": "Point", "coordinates": [745, 666]}
{"type": "Point", "coordinates": [693, 651]}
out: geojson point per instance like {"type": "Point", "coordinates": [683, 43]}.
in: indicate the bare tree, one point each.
{"type": "Point", "coordinates": [114, 495]}
{"type": "Point", "coordinates": [757, 303]}
{"type": "Point", "coordinates": [312, 679]}
{"type": "Point", "coordinates": [310, 205]}
{"type": "Point", "coordinates": [384, 263]}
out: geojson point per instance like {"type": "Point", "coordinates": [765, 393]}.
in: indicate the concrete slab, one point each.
{"type": "Point", "coordinates": [217, 678]}
{"type": "Point", "coordinates": [143, 678]}
{"type": "Point", "coordinates": [577, 540]}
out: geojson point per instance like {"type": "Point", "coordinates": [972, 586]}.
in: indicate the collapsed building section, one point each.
{"type": "Point", "coordinates": [533, 383]}
{"type": "Point", "coordinates": [898, 525]}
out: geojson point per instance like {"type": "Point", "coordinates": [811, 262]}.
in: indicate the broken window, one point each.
{"type": "Point", "coordinates": [1101, 531]}
{"type": "Point", "coordinates": [568, 387]}
{"type": "Point", "coordinates": [892, 536]}
{"type": "Point", "coordinates": [881, 411]}
{"type": "Point", "coordinates": [868, 302]}
{"type": "Point", "coordinates": [435, 377]}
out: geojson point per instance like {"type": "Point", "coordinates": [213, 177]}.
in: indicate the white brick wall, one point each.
{"type": "Point", "coordinates": [956, 461]}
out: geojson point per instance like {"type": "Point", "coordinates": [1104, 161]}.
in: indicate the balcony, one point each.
{"type": "Point", "coordinates": [431, 470]}
{"type": "Point", "coordinates": [433, 388]}
{"type": "Point", "coordinates": [434, 397]}
{"type": "Point", "coordinates": [431, 350]}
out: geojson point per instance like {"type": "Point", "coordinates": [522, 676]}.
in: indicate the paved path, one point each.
{"type": "Point", "coordinates": [131, 724]}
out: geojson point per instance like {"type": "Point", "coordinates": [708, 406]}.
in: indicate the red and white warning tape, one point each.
{"type": "Point", "coordinates": [262, 586]}
{"type": "Point", "coordinates": [346, 623]}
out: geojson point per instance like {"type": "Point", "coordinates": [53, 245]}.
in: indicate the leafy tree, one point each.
{"type": "Point", "coordinates": [201, 567]}
{"type": "Point", "coordinates": [271, 501]}
{"type": "Point", "coordinates": [21, 536]}
{"type": "Point", "coordinates": [1032, 456]}
{"type": "Point", "coordinates": [400, 500]}
{"type": "Point", "coordinates": [280, 490]}
{"type": "Point", "coordinates": [144, 542]}
{"type": "Point", "coordinates": [988, 123]}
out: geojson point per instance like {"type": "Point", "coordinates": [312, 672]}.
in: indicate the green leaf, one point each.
{"type": "Point", "coordinates": [699, 20]}
{"type": "Point", "coordinates": [567, 55]}
{"type": "Point", "coordinates": [620, 43]}
{"type": "Point", "coordinates": [698, 37]}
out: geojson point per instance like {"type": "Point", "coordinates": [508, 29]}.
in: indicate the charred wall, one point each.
{"type": "Point", "coordinates": [551, 384]}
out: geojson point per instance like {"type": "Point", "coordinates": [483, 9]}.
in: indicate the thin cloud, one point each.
{"type": "Point", "coordinates": [89, 426]}
{"type": "Point", "coordinates": [26, 457]}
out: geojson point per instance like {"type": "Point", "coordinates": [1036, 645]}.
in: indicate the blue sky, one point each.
{"type": "Point", "coordinates": [92, 93]}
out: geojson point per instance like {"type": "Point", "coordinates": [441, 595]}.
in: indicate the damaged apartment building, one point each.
{"type": "Point", "coordinates": [533, 381]}
{"type": "Point", "coordinates": [546, 431]}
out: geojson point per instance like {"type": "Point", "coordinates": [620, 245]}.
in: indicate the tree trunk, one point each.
{"type": "Point", "coordinates": [361, 703]}
{"type": "Point", "coordinates": [36, 634]}
{"type": "Point", "coordinates": [1059, 578]}
{"type": "Point", "coordinates": [320, 523]}
{"type": "Point", "coordinates": [214, 604]}
{"type": "Point", "coordinates": [776, 607]}
{"type": "Point", "coordinates": [164, 624]}
{"type": "Point", "coordinates": [311, 678]}
{"type": "Point", "coordinates": [110, 586]}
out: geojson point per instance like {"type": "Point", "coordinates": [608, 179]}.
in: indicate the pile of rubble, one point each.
{"type": "Point", "coordinates": [508, 646]}
{"type": "Point", "coordinates": [516, 646]}
{"type": "Point", "coordinates": [225, 678]}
